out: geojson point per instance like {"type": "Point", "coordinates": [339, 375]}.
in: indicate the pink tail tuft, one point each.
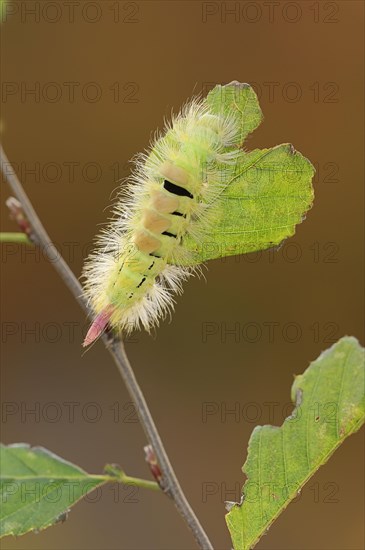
{"type": "Point", "coordinates": [98, 326]}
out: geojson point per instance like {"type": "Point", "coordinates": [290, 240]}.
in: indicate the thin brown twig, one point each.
{"type": "Point", "coordinates": [115, 346]}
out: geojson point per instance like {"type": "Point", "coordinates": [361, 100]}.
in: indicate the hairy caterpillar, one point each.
{"type": "Point", "coordinates": [174, 201]}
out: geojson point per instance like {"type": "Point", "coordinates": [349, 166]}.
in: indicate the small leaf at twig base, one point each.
{"type": "Point", "coordinates": [38, 488]}
{"type": "Point", "coordinates": [329, 399]}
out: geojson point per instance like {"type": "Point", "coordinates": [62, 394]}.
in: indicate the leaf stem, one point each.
{"type": "Point", "coordinates": [115, 346]}
{"type": "Point", "coordinates": [129, 480]}
{"type": "Point", "coordinates": [14, 238]}
{"type": "Point", "coordinates": [145, 483]}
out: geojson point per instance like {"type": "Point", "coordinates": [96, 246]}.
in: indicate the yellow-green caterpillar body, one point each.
{"type": "Point", "coordinates": [130, 279]}
{"type": "Point", "coordinates": [174, 198]}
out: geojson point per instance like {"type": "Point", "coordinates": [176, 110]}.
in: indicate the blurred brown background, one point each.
{"type": "Point", "coordinates": [104, 76]}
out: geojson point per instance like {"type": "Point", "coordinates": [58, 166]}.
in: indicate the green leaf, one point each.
{"type": "Point", "coordinates": [38, 488]}
{"type": "Point", "coordinates": [329, 399]}
{"type": "Point", "coordinates": [266, 195]}
{"type": "Point", "coordinates": [239, 100]}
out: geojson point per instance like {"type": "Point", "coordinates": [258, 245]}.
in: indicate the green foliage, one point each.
{"type": "Point", "coordinates": [38, 488]}
{"type": "Point", "coordinates": [330, 405]}
{"type": "Point", "coordinates": [240, 101]}
{"type": "Point", "coordinates": [265, 193]}
{"type": "Point", "coordinates": [266, 197]}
